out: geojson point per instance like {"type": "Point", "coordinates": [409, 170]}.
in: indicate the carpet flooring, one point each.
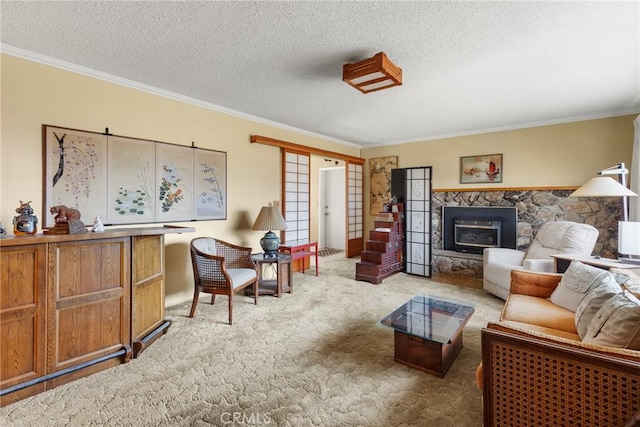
{"type": "Point", "coordinates": [316, 357]}
{"type": "Point", "coordinates": [329, 251]}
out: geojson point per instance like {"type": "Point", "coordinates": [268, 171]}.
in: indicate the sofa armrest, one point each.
{"type": "Point", "coordinates": [527, 379]}
{"type": "Point", "coordinates": [502, 256]}
{"type": "Point", "coordinates": [534, 284]}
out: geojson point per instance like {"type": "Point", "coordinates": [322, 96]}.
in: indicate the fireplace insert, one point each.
{"type": "Point", "coordinates": [471, 234]}
{"type": "Point", "coordinates": [481, 227]}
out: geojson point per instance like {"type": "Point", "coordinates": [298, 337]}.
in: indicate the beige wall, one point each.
{"type": "Point", "coordinates": [563, 155]}
{"type": "Point", "coordinates": [34, 94]}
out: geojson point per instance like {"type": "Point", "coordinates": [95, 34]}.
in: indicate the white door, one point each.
{"type": "Point", "coordinates": [332, 208]}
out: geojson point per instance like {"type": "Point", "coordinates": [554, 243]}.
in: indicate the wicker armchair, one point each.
{"type": "Point", "coordinates": [536, 371]}
{"type": "Point", "coordinates": [221, 268]}
{"type": "Point", "coordinates": [530, 380]}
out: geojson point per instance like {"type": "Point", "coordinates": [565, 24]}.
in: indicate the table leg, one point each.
{"type": "Point", "coordinates": [316, 259]}
{"type": "Point", "coordinates": [290, 276]}
{"type": "Point", "coordinates": [278, 280]}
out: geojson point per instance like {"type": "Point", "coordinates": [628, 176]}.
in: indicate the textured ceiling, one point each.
{"type": "Point", "coordinates": [468, 67]}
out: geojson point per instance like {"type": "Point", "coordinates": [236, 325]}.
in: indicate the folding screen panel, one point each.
{"type": "Point", "coordinates": [412, 186]}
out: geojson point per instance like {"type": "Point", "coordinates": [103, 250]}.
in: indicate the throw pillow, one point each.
{"type": "Point", "coordinates": [633, 284]}
{"type": "Point", "coordinates": [534, 283]}
{"type": "Point", "coordinates": [617, 323]}
{"type": "Point", "coordinates": [575, 283]}
{"type": "Point", "coordinates": [593, 300]}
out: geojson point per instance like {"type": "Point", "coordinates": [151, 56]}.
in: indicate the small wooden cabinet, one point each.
{"type": "Point", "coordinates": [71, 305]}
{"type": "Point", "coordinates": [383, 254]}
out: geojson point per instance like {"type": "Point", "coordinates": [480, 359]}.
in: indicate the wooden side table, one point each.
{"type": "Point", "coordinates": [301, 249]}
{"type": "Point", "coordinates": [562, 262]}
{"type": "Point", "coordinates": [284, 275]}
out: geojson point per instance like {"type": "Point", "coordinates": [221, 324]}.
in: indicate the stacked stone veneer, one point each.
{"type": "Point", "coordinates": [535, 207]}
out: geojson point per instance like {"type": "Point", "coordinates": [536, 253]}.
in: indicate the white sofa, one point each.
{"type": "Point", "coordinates": [552, 238]}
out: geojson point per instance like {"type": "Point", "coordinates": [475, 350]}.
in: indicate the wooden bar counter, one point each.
{"type": "Point", "coordinates": [75, 304]}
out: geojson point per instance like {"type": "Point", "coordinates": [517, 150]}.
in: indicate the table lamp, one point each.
{"type": "Point", "coordinates": [270, 219]}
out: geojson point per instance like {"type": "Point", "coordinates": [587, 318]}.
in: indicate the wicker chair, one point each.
{"type": "Point", "coordinates": [535, 372]}
{"type": "Point", "coordinates": [533, 381]}
{"type": "Point", "coordinates": [221, 268]}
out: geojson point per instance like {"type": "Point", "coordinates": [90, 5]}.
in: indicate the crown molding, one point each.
{"type": "Point", "coordinates": [508, 128]}
{"type": "Point", "coordinates": [89, 72]}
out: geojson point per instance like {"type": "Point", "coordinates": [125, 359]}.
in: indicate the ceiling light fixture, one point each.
{"type": "Point", "coordinates": [372, 74]}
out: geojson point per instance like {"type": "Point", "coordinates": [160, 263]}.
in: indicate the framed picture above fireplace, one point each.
{"type": "Point", "coordinates": [486, 168]}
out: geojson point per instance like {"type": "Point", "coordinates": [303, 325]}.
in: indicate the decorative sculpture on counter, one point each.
{"type": "Point", "coordinates": [98, 226]}
{"type": "Point", "coordinates": [25, 224]}
{"type": "Point", "coordinates": [3, 232]}
{"type": "Point", "coordinates": [67, 221]}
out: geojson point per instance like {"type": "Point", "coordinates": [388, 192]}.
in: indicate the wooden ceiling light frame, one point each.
{"type": "Point", "coordinates": [372, 74]}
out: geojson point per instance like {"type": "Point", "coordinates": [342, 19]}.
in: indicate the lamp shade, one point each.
{"type": "Point", "coordinates": [602, 186]}
{"type": "Point", "coordinates": [629, 238]}
{"type": "Point", "coordinates": [269, 219]}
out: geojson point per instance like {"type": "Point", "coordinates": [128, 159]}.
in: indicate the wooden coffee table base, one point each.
{"type": "Point", "coordinates": [428, 356]}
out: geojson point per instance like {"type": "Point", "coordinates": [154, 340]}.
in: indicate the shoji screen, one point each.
{"type": "Point", "coordinates": [355, 211]}
{"type": "Point", "coordinates": [412, 186]}
{"type": "Point", "coordinates": [296, 189]}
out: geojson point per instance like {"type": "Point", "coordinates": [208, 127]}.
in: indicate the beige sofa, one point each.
{"type": "Point", "coordinates": [536, 370]}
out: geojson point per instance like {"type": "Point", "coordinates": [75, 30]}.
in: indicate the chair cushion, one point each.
{"type": "Point", "coordinates": [538, 311]}
{"type": "Point", "coordinates": [206, 245]}
{"type": "Point", "coordinates": [240, 276]}
{"type": "Point", "coordinates": [617, 323]}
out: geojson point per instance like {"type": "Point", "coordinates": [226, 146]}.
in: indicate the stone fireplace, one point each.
{"type": "Point", "coordinates": [534, 208]}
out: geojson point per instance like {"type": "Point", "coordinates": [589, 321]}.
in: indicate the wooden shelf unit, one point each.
{"type": "Point", "coordinates": [75, 304]}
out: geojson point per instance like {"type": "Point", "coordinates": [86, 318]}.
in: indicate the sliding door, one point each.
{"type": "Point", "coordinates": [296, 191]}
{"type": "Point", "coordinates": [355, 211]}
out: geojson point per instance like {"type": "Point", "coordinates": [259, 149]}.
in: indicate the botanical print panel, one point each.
{"type": "Point", "coordinates": [174, 182]}
{"type": "Point", "coordinates": [75, 172]}
{"type": "Point", "coordinates": [127, 180]}
{"type": "Point", "coordinates": [131, 185]}
{"type": "Point", "coordinates": [381, 181]}
{"type": "Point", "coordinates": [210, 184]}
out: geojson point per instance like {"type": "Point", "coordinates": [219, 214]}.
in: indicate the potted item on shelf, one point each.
{"type": "Point", "coordinates": [26, 223]}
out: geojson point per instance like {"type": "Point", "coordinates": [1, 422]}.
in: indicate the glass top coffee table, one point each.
{"type": "Point", "coordinates": [428, 332]}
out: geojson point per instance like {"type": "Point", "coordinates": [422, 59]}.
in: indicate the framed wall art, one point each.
{"type": "Point", "coordinates": [210, 184]}
{"type": "Point", "coordinates": [128, 180]}
{"type": "Point", "coordinates": [486, 168]}
{"type": "Point", "coordinates": [380, 182]}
